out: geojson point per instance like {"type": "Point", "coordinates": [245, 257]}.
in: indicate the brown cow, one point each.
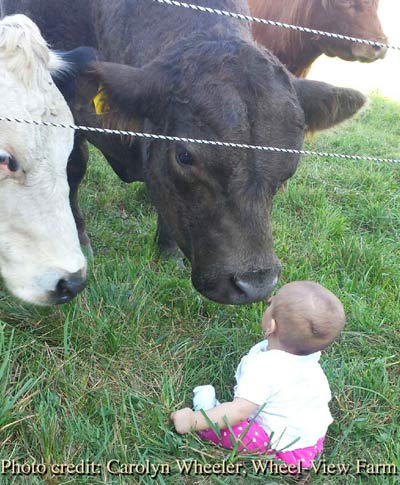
{"type": "Point", "coordinates": [298, 50]}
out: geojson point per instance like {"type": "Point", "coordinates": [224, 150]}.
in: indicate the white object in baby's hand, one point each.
{"type": "Point", "coordinates": [204, 398]}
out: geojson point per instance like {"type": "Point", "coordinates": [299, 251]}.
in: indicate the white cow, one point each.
{"type": "Point", "coordinates": [40, 257]}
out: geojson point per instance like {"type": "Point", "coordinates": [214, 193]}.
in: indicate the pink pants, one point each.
{"type": "Point", "coordinates": [256, 440]}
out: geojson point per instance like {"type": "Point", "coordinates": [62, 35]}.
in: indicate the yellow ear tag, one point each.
{"type": "Point", "coordinates": [100, 102]}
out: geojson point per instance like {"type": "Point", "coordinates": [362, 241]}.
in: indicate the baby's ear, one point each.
{"type": "Point", "coordinates": [271, 328]}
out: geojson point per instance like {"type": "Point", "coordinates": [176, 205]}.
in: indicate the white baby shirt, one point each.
{"type": "Point", "coordinates": [295, 391]}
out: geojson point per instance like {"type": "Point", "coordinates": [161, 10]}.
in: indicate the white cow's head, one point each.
{"type": "Point", "coordinates": [40, 258]}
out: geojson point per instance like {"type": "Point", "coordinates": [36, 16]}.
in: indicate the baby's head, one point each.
{"type": "Point", "coordinates": [303, 317]}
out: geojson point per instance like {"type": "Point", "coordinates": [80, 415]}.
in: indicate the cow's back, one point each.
{"type": "Point", "coordinates": [144, 27]}
{"type": "Point", "coordinates": [127, 31]}
{"type": "Point", "coordinates": [64, 24]}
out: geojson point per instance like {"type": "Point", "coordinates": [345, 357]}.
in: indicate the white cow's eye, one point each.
{"type": "Point", "coordinates": [8, 164]}
{"type": "Point", "coordinates": [13, 164]}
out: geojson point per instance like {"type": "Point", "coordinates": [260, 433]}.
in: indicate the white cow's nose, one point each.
{"type": "Point", "coordinates": [68, 287]}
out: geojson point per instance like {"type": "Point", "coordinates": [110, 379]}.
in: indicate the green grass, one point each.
{"type": "Point", "coordinates": [97, 379]}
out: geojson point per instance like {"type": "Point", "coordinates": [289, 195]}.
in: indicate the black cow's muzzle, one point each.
{"type": "Point", "coordinates": [239, 288]}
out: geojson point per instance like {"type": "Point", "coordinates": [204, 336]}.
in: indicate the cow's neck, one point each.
{"type": "Point", "coordinates": [301, 55]}
{"type": "Point", "coordinates": [295, 49]}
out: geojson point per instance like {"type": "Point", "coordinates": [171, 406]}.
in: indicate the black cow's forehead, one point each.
{"type": "Point", "coordinates": [220, 107]}
{"type": "Point", "coordinates": [237, 93]}
{"type": "Point", "coordinates": [224, 110]}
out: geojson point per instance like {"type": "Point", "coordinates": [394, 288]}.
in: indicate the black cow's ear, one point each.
{"type": "Point", "coordinates": [133, 92]}
{"type": "Point", "coordinates": [325, 105]}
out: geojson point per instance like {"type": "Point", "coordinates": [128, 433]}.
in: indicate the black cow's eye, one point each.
{"type": "Point", "coordinates": [184, 158]}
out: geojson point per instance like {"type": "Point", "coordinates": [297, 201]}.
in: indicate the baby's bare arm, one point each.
{"type": "Point", "coordinates": [186, 420]}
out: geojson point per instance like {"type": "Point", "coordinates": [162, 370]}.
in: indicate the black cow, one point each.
{"type": "Point", "coordinates": [195, 75]}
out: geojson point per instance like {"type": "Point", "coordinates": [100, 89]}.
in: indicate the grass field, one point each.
{"type": "Point", "coordinates": [96, 380]}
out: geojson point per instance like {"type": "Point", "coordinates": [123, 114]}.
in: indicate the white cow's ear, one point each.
{"type": "Point", "coordinates": [69, 68]}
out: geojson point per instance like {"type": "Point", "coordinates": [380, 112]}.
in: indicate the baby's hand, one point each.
{"type": "Point", "coordinates": [183, 420]}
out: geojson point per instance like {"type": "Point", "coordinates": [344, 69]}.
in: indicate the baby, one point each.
{"type": "Point", "coordinates": [282, 394]}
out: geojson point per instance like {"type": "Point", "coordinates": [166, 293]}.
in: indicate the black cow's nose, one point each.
{"type": "Point", "coordinates": [237, 288]}
{"type": "Point", "coordinates": [257, 285]}
{"type": "Point", "coordinates": [68, 287]}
